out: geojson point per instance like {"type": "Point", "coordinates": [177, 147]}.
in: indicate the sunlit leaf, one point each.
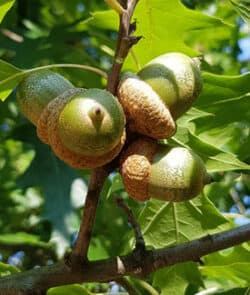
{"type": "Point", "coordinates": [175, 279]}
{"type": "Point", "coordinates": [243, 8]}
{"type": "Point", "coordinates": [69, 290]}
{"type": "Point", "coordinates": [10, 76]}
{"type": "Point", "coordinates": [22, 239]}
{"type": "Point", "coordinates": [178, 222]}
{"type": "Point", "coordinates": [216, 159]}
{"type": "Point", "coordinates": [232, 264]}
{"type": "Point", "coordinates": [5, 5]}
{"type": "Point", "coordinates": [154, 20]}
{"type": "Point", "coordinates": [7, 269]}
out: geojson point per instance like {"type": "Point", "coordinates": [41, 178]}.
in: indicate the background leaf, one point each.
{"type": "Point", "coordinates": [175, 279]}
{"type": "Point", "coordinates": [10, 76]}
{"type": "Point", "coordinates": [49, 173]}
{"type": "Point", "coordinates": [5, 5]}
{"type": "Point", "coordinates": [68, 290]}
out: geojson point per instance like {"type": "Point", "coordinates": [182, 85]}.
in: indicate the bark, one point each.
{"type": "Point", "coordinates": [37, 281]}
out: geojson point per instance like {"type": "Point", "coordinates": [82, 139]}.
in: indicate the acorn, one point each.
{"type": "Point", "coordinates": [37, 89]}
{"type": "Point", "coordinates": [84, 127]}
{"type": "Point", "coordinates": [145, 111]}
{"type": "Point", "coordinates": [176, 78]}
{"type": "Point", "coordinates": [152, 170]}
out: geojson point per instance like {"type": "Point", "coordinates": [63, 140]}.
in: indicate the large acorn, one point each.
{"type": "Point", "coordinates": [84, 127]}
{"type": "Point", "coordinates": [162, 91]}
{"type": "Point", "coordinates": [145, 111]}
{"type": "Point", "coordinates": [176, 78]}
{"type": "Point", "coordinates": [37, 89]}
{"type": "Point", "coordinates": [149, 169]}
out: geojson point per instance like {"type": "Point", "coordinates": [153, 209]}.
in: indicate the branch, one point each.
{"type": "Point", "coordinates": [80, 251]}
{"type": "Point", "coordinates": [140, 244]}
{"type": "Point", "coordinates": [37, 280]}
{"type": "Point", "coordinates": [124, 43]}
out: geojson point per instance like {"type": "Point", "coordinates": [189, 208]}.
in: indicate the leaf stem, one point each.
{"type": "Point", "coordinates": [78, 66]}
{"type": "Point", "coordinates": [114, 4]}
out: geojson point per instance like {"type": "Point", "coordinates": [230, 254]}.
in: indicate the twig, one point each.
{"type": "Point", "coordinates": [235, 196]}
{"type": "Point", "coordinates": [140, 244]}
{"type": "Point", "coordinates": [30, 282]}
{"type": "Point", "coordinates": [79, 254]}
{"type": "Point", "coordinates": [124, 43]}
{"type": "Point", "coordinates": [127, 286]}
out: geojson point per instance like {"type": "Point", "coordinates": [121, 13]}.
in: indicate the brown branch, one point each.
{"type": "Point", "coordinates": [80, 251]}
{"type": "Point", "coordinates": [124, 43]}
{"type": "Point", "coordinates": [140, 244]}
{"type": "Point", "coordinates": [37, 280]}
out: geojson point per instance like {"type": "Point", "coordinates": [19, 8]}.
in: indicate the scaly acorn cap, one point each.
{"type": "Point", "coordinates": [146, 112]}
{"type": "Point", "coordinates": [37, 89]}
{"type": "Point", "coordinates": [42, 123]}
{"type": "Point", "coordinates": [176, 78]}
{"type": "Point", "coordinates": [49, 122]}
{"type": "Point", "coordinates": [161, 172]}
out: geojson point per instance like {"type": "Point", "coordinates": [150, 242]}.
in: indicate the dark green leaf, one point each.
{"type": "Point", "coordinates": [55, 179]}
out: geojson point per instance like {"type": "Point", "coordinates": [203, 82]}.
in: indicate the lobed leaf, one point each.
{"type": "Point", "coordinates": [216, 160]}
{"type": "Point", "coordinates": [179, 222]}
{"type": "Point", "coordinates": [153, 18]}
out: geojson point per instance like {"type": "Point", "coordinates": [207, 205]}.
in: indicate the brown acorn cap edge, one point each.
{"type": "Point", "coordinates": [135, 164]}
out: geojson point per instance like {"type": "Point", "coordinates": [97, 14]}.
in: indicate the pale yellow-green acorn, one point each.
{"type": "Point", "coordinates": [151, 170]}
{"type": "Point", "coordinates": [176, 78]}
{"type": "Point", "coordinates": [37, 89]}
{"type": "Point", "coordinates": [84, 127]}
{"type": "Point", "coordinates": [145, 111]}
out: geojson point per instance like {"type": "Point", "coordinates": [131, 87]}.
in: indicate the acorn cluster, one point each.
{"type": "Point", "coordinates": [86, 128]}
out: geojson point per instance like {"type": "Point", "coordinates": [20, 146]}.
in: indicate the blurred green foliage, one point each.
{"type": "Point", "coordinates": [41, 198]}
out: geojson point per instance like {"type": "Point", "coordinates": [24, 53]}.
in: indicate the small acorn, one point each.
{"type": "Point", "coordinates": [151, 170]}
{"type": "Point", "coordinates": [37, 89]}
{"type": "Point", "coordinates": [176, 78]}
{"type": "Point", "coordinates": [84, 127]}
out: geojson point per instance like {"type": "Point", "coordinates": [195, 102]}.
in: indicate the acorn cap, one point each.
{"type": "Point", "coordinates": [42, 123]}
{"type": "Point", "coordinates": [51, 116]}
{"type": "Point", "coordinates": [135, 165]}
{"type": "Point", "coordinates": [145, 111]}
{"type": "Point", "coordinates": [37, 89]}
